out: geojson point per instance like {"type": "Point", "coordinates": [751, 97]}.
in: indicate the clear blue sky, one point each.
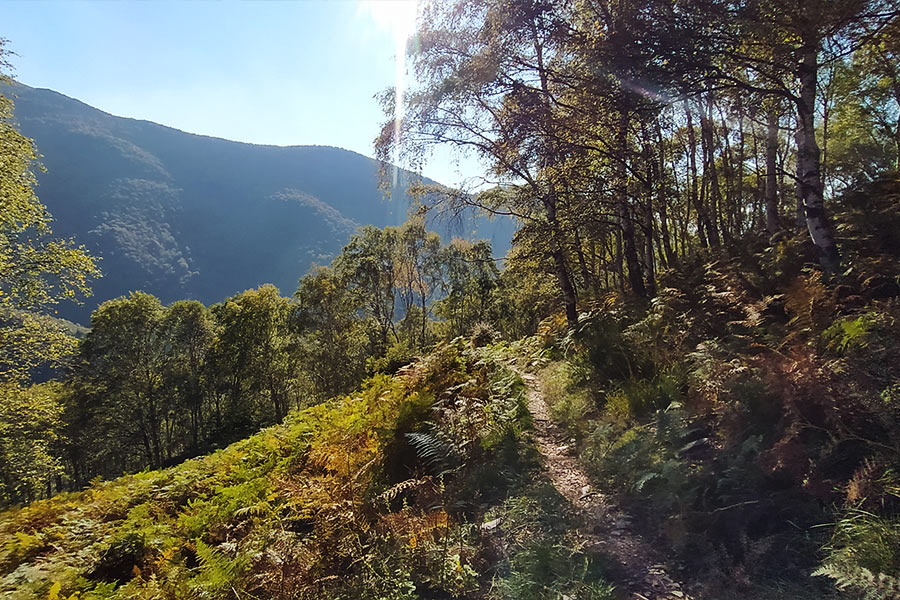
{"type": "Point", "coordinates": [274, 72]}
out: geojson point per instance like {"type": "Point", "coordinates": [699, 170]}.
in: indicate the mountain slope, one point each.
{"type": "Point", "coordinates": [189, 216]}
{"type": "Point", "coordinates": [421, 485]}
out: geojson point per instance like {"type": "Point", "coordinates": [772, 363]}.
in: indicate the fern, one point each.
{"type": "Point", "coordinates": [859, 579]}
{"type": "Point", "coordinates": [217, 569]}
{"type": "Point", "coordinates": [434, 452]}
{"type": "Point", "coordinates": [395, 490]}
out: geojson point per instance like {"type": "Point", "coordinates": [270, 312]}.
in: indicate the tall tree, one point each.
{"type": "Point", "coordinates": [125, 356]}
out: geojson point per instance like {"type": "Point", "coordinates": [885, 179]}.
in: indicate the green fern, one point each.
{"type": "Point", "coordinates": [217, 569]}
{"type": "Point", "coordinates": [437, 454]}
{"type": "Point", "coordinates": [859, 579]}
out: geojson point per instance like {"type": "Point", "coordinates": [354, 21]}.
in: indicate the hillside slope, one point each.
{"type": "Point", "coordinates": [188, 216]}
{"type": "Point", "coordinates": [424, 485]}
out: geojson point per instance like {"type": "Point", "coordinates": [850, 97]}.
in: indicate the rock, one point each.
{"type": "Point", "coordinates": [879, 287]}
{"type": "Point", "coordinates": [490, 525]}
{"type": "Point", "coordinates": [585, 490]}
{"type": "Point", "coordinates": [695, 447]}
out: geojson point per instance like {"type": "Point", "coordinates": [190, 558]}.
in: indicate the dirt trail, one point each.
{"type": "Point", "coordinates": [638, 572]}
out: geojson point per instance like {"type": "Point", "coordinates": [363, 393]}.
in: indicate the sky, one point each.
{"type": "Point", "coordinates": [265, 72]}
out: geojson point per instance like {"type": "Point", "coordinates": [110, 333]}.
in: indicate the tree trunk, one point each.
{"type": "Point", "coordinates": [742, 157]}
{"type": "Point", "coordinates": [715, 195]}
{"type": "Point", "coordinates": [809, 180]}
{"type": "Point", "coordinates": [669, 254]}
{"type": "Point", "coordinates": [559, 261]}
{"type": "Point", "coordinates": [692, 163]}
{"type": "Point", "coordinates": [771, 173]}
{"type": "Point", "coordinates": [582, 263]}
{"type": "Point", "coordinates": [635, 276]}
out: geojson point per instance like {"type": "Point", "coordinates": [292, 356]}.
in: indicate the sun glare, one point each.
{"type": "Point", "coordinates": [399, 18]}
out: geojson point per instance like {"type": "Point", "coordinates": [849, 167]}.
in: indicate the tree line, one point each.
{"type": "Point", "coordinates": [625, 135]}
{"type": "Point", "coordinates": [150, 385]}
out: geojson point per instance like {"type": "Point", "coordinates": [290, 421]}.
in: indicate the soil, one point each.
{"type": "Point", "coordinates": [635, 565]}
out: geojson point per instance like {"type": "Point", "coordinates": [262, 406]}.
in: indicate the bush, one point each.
{"type": "Point", "coordinates": [397, 356]}
{"type": "Point", "coordinates": [568, 404]}
{"type": "Point", "coordinates": [483, 333]}
{"type": "Point", "coordinates": [854, 335]}
{"type": "Point", "coordinates": [542, 563]}
{"type": "Point", "coordinates": [637, 399]}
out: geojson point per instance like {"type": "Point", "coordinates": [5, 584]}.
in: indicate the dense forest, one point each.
{"type": "Point", "coordinates": [680, 382]}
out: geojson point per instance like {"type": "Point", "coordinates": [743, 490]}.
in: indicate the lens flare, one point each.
{"type": "Point", "coordinates": [398, 17]}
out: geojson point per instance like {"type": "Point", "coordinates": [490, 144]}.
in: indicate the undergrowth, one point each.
{"type": "Point", "coordinates": [749, 414]}
{"type": "Point", "coordinates": [380, 495]}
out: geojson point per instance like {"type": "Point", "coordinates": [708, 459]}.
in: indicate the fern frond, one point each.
{"type": "Point", "coordinates": [217, 569]}
{"type": "Point", "coordinates": [434, 452]}
{"type": "Point", "coordinates": [395, 490]}
{"type": "Point", "coordinates": [859, 579]}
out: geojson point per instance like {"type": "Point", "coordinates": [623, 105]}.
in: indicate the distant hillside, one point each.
{"type": "Point", "coordinates": [189, 216]}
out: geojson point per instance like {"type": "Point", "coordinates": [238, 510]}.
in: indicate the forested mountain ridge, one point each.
{"type": "Point", "coordinates": [181, 215]}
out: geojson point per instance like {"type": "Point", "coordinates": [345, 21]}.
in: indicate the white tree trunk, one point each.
{"type": "Point", "coordinates": [809, 177]}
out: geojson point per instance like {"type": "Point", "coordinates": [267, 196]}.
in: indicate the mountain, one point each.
{"type": "Point", "coordinates": [181, 215]}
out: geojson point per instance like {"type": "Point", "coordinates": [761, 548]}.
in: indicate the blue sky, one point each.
{"type": "Point", "coordinates": [275, 72]}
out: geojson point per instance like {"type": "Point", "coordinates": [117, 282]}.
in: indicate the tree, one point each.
{"type": "Point", "coordinates": [781, 47]}
{"type": "Point", "coordinates": [251, 360]}
{"type": "Point", "coordinates": [190, 331]}
{"type": "Point", "coordinates": [368, 265]}
{"type": "Point", "coordinates": [485, 87]}
{"type": "Point", "coordinates": [36, 269]}
{"type": "Point", "coordinates": [418, 256]}
{"type": "Point", "coordinates": [333, 342]}
{"type": "Point", "coordinates": [30, 429]}
{"type": "Point", "coordinates": [125, 356]}
{"type": "Point", "coordinates": [468, 283]}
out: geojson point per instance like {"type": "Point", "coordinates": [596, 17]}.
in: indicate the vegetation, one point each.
{"type": "Point", "coordinates": [703, 290]}
{"type": "Point", "coordinates": [188, 216]}
{"type": "Point", "coordinates": [380, 494]}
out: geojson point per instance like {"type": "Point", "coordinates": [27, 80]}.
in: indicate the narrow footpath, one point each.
{"type": "Point", "coordinates": [638, 572]}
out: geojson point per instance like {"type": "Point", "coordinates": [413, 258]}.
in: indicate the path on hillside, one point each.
{"type": "Point", "coordinates": [638, 573]}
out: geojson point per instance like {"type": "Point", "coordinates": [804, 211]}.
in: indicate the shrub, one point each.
{"type": "Point", "coordinates": [483, 333]}
{"type": "Point", "coordinates": [853, 335]}
{"type": "Point", "coordinates": [568, 404]}
{"type": "Point", "coordinates": [636, 399]}
{"type": "Point", "coordinates": [864, 554]}
{"type": "Point", "coordinates": [398, 355]}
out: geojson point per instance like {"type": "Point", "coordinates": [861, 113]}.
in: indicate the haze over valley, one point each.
{"type": "Point", "coordinates": [180, 215]}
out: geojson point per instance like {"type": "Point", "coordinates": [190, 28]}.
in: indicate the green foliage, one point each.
{"type": "Point", "coordinates": [36, 270]}
{"type": "Point", "coordinates": [569, 406]}
{"type": "Point", "coordinates": [862, 581]}
{"type": "Point", "coordinates": [293, 511]}
{"type": "Point", "coordinates": [849, 335]}
{"type": "Point", "coordinates": [638, 398]}
{"type": "Point", "coordinates": [864, 551]}
{"type": "Point", "coordinates": [542, 571]}
{"type": "Point", "coordinates": [30, 430]}
{"type": "Point", "coordinates": [541, 562]}
{"type": "Point", "coordinates": [217, 571]}
{"type": "Point", "coordinates": [483, 333]}
{"type": "Point", "coordinates": [397, 355]}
